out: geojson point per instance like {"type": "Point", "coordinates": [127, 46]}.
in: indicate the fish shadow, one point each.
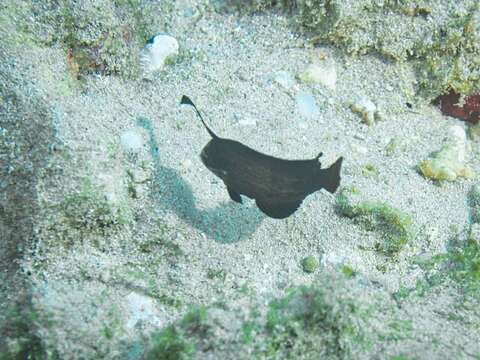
{"type": "Point", "coordinates": [227, 223]}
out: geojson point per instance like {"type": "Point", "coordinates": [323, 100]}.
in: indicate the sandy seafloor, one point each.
{"type": "Point", "coordinates": [230, 75]}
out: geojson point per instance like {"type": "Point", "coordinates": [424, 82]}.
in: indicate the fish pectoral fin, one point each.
{"type": "Point", "coordinates": [278, 209]}
{"type": "Point", "coordinates": [234, 195]}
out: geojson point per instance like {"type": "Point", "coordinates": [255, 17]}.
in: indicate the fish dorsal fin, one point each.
{"type": "Point", "coordinates": [187, 101]}
{"type": "Point", "coordinates": [330, 177]}
{"type": "Point", "coordinates": [317, 159]}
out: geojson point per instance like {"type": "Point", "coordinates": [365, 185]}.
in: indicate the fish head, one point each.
{"type": "Point", "coordinates": [215, 158]}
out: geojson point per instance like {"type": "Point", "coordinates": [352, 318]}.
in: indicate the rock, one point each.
{"type": "Point", "coordinates": [366, 108]}
{"type": "Point", "coordinates": [158, 49]}
{"type": "Point", "coordinates": [468, 111]}
{"type": "Point", "coordinates": [306, 105]}
{"type": "Point", "coordinates": [449, 162]}
{"type": "Point", "coordinates": [140, 309]}
{"type": "Point", "coordinates": [323, 73]}
{"type": "Point", "coordinates": [131, 141]}
{"type": "Point", "coordinates": [248, 122]}
{"type": "Point", "coordinates": [284, 79]}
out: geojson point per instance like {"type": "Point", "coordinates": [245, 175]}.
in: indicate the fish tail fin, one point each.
{"type": "Point", "coordinates": [187, 101]}
{"type": "Point", "coordinates": [331, 176]}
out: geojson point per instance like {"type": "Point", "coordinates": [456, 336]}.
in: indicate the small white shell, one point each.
{"type": "Point", "coordinates": [366, 108]}
{"type": "Point", "coordinates": [131, 141]}
{"type": "Point", "coordinates": [159, 48]}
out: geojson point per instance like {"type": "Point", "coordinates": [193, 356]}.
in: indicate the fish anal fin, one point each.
{"type": "Point", "coordinates": [234, 195]}
{"type": "Point", "coordinates": [278, 209]}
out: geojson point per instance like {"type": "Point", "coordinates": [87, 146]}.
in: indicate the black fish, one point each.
{"type": "Point", "coordinates": [278, 186]}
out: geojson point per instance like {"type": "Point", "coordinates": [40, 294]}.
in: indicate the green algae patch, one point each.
{"type": "Point", "coordinates": [394, 225]}
{"type": "Point", "coordinates": [19, 336]}
{"type": "Point", "coordinates": [370, 170]}
{"type": "Point", "coordinates": [465, 267]}
{"type": "Point", "coordinates": [251, 6]}
{"type": "Point", "coordinates": [311, 322]}
{"type": "Point", "coordinates": [180, 340]}
{"type": "Point", "coordinates": [88, 210]}
{"type": "Point", "coordinates": [348, 271]}
{"type": "Point", "coordinates": [86, 214]}
{"type": "Point", "coordinates": [461, 266]}
{"type": "Point", "coordinates": [170, 344]}
{"type": "Point", "coordinates": [310, 264]}
{"type": "Point", "coordinates": [474, 200]}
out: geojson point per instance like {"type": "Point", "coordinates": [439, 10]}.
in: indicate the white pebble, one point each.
{"type": "Point", "coordinates": [248, 122]}
{"type": "Point", "coordinates": [186, 163]}
{"type": "Point", "coordinates": [306, 105]}
{"type": "Point", "coordinates": [157, 51]}
{"type": "Point", "coordinates": [323, 73]}
{"type": "Point", "coordinates": [131, 141]}
{"type": "Point", "coordinates": [359, 149]}
{"type": "Point", "coordinates": [284, 79]}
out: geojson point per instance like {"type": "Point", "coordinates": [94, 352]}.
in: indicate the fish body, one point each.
{"type": "Point", "coordinates": [278, 185]}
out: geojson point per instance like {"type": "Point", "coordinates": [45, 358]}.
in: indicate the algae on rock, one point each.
{"type": "Point", "coordinates": [182, 339]}
{"type": "Point", "coordinates": [450, 161]}
{"type": "Point", "coordinates": [394, 225]}
{"type": "Point", "coordinates": [441, 38]}
{"type": "Point", "coordinates": [317, 321]}
{"type": "Point", "coordinates": [98, 36]}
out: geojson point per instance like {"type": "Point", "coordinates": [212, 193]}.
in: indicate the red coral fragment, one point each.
{"type": "Point", "coordinates": [470, 111]}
